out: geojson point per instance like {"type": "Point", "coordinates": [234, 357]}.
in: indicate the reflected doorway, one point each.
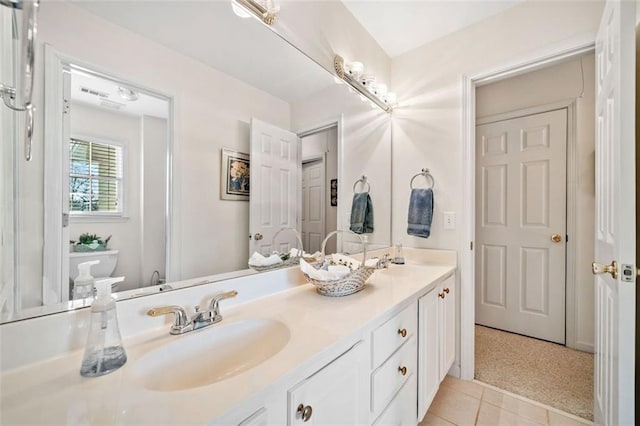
{"type": "Point", "coordinates": [319, 205]}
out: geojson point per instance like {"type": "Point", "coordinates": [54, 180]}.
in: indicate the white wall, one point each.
{"type": "Point", "coordinates": [211, 110]}
{"type": "Point", "coordinates": [573, 79]}
{"type": "Point", "coordinates": [427, 128]}
{"type": "Point", "coordinates": [125, 234]}
{"type": "Point", "coordinates": [366, 150]}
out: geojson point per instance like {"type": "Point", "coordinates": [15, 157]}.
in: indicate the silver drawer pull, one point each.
{"type": "Point", "coordinates": [304, 412]}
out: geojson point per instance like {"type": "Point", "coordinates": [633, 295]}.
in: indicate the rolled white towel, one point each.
{"type": "Point", "coordinates": [257, 259]}
{"type": "Point", "coordinates": [321, 274]}
{"type": "Point", "coordinates": [339, 271]}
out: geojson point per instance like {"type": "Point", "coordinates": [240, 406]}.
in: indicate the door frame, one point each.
{"type": "Point", "coordinates": [318, 126]}
{"type": "Point", "coordinates": [571, 166]}
{"type": "Point", "coordinates": [322, 158]}
{"type": "Point", "coordinates": [469, 82]}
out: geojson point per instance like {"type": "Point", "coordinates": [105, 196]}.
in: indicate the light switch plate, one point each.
{"type": "Point", "coordinates": [449, 219]}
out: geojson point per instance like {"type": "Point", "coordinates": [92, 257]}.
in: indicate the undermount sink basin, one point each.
{"type": "Point", "coordinates": [210, 355]}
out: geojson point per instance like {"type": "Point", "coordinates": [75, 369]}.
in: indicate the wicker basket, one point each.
{"type": "Point", "coordinates": [352, 283]}
{"type": "Point", "coordinates": [291, 261]}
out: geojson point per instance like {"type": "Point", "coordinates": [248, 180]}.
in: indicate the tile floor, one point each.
{"type": "Point", "coordinates": [463, 403]}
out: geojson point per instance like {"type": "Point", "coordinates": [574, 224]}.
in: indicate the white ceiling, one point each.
{"type": "Point", "coordinates": [400, 25]}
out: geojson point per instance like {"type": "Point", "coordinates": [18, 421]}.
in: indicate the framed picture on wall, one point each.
{"type": "Point", "coordinates": [234, 175]}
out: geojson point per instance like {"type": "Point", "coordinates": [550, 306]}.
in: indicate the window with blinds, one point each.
{"type": "Point", "coordinates": [95, 178]}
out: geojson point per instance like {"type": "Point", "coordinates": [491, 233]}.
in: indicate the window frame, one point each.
{"type": "Point", "coordinates": [88, 215]}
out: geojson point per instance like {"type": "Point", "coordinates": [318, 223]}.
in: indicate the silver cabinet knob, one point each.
{"type": "Point", "coordinates": [304, 412]}
{"type": "Point", "coordinates": [258, 236]}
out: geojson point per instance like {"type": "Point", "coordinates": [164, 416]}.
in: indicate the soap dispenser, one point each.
{"type": "Point", "coordinates": [84, 282]}
{"type": "Point", "coordinates": [104, 352]}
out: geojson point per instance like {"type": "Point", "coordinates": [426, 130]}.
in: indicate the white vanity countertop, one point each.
{"type": "Point", "coordinates": [53, 392]}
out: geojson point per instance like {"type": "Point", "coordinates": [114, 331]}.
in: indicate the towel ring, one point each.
{"type": "Point", "coordinates": [427, 175]}
{"type": "Point", "coordinates": [364, 182]}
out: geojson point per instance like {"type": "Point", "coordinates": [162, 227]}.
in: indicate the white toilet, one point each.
{"type": "Point", "coordinates": [108, 261]}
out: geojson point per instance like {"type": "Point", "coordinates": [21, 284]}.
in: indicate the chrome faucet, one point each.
{"type": "Point", "coordinates": [199, 320]}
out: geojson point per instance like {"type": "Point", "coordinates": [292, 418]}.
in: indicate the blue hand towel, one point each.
{"type": "Point", "coordinates": [361, 213]}
{"type": "Point", "coordinates": [420, 212]}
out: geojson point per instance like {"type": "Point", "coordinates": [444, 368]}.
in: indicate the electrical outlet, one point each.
{"type": "Point", "coordinates": [449, 220]}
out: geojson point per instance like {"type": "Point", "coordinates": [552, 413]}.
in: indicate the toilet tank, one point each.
{"type": "Point", "coordinates": [108, 261]}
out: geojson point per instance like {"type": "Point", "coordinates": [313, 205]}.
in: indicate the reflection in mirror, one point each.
{"type": "Point", "coordinates": [153, 178]}
{"type": "Point", "coordinates": [116, 175]}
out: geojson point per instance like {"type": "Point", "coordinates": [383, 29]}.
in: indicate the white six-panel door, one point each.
{"type": "Point", "coordinates": [521, 225]}
{"type": "Point", "coordinates": [615, 216]}
{"type": "Point", "coordinates": [275, 187]}
{"type": "Point", "coordinates": [313, 205]}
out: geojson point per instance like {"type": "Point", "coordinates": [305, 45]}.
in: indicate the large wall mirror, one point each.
{"type": "Point", "coordinates": [169, 136]}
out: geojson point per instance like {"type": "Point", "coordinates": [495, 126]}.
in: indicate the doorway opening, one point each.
{"type": "Point", "coordinates": [534, 221]}
{"type": "Point", "coordinates": [319, 188]}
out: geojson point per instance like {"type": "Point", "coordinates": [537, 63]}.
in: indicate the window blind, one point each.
{"type": "Point", "coordinates": [95, 177]}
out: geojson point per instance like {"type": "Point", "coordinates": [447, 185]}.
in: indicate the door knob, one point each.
{"type": "Point", "coordinates": [556, 238]}
{"type": "Point", "coordinates": [258, 236]}
{"type": "Point", "coordinates": [598, 268]}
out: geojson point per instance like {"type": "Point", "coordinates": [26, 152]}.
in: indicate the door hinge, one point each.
{"type": "Point", "coordinates": [66, 106]}
{"type": "Point", "coordinates": [65, 220]}
{"type": "Point", "coordinates": [471, 245]}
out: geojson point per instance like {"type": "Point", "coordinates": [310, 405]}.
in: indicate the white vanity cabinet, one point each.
{"type": "Point", "coordinates": [436, 352]}
{"type": "Point", "coordinates": [336, 394]}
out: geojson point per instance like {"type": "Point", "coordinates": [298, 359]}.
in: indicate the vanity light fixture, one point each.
{"type": "Point", "coordinates": [364, 84]}
{"type": "Point", "coordinates": [265, 10]}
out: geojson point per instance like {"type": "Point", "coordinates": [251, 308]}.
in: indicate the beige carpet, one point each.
{"type": "Point", "coordinates": [545, 372]}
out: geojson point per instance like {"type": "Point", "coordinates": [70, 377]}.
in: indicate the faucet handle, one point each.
{"type": "Point", "coordinates": [214, 307]}
{"type": "Point", "coordinates": [180, 321]}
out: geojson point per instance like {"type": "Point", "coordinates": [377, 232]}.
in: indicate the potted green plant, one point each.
{"type": "Point", "coordinates": [91, 242]}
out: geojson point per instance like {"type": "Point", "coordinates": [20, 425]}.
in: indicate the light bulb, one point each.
{"type": "Point", "coordinates": [391, 98]}
{"type": "Point", "coordinates": [367, 81]}
{"type": "Point", "coordinates": [354, 69]}
{"type": "Point", "coordinates": [381, 89]}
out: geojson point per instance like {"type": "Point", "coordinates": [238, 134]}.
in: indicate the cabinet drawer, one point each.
{"type": "Point", "coordinates": [402, 410]}
{"type": "Point", "coordinates": [389, 336]}
{"type": "Point", "coordinates": [259, 418]}
{"type": "Point", "coordinates": [389, 378]}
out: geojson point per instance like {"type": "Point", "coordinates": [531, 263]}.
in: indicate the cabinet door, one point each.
{"type": "Point", "coordinates": [334, 395]}
{"type": "Point", "coordinates": [428, 350]}
{"type": "Point", "coordinates": [448, 325]}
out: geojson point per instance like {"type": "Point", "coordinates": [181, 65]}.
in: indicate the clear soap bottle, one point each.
{"type": "Point", "coordinates": [84, 282]}
{"type": "Point", "coordinates": [104, 351]}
